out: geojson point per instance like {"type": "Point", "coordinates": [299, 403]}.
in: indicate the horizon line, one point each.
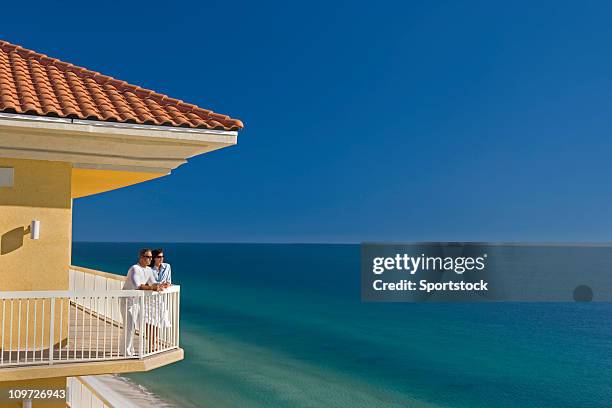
{"type": "Point", "coordinates": [219, 242]}
{"type": "Point", "coordinates": [483, 243]}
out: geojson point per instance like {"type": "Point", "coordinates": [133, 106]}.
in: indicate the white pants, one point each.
{"type": "Point", "coordinates": [130, 312]}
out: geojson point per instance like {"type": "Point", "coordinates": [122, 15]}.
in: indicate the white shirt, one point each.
{"type": "Point", "coordinates": [138, 275]}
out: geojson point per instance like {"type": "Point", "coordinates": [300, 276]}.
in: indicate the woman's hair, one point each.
{"type": "Point", "coordinates": [155, 253]}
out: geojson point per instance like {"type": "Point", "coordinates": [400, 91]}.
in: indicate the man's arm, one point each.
{"type": "Point", "coordinates": [152, 284]}
{"type": "Point", "coordinates": [132, 278]}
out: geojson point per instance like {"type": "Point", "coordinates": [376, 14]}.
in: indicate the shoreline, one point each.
{"type": "Point", "coordinates": [126, 393]}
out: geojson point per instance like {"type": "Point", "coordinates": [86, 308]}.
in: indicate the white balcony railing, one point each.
{"type": "Point", "coordinates": [90, 279]}
{"type": "Point", "coordinates": [52, 327]}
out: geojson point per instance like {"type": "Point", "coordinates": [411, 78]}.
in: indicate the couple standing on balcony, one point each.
{"type": "Point", "coordinates": [150, 273]}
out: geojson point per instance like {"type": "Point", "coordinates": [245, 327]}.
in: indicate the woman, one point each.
{"type": "Point", "coordinates": [158, 317]}
{"type": "Point", "coordinates": [162, 271]}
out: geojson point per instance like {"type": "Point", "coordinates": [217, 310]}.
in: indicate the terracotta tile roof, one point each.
{"type": "Point", "coordinates": [32, 83]}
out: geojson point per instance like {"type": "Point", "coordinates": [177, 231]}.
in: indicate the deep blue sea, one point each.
{"type": "Point", "coordinates": [274, 325]}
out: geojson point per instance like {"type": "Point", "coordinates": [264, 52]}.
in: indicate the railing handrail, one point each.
{"type": "Point", "coordinates": [45, 294]}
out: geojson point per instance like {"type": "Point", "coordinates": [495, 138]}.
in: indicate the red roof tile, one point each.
{"type": "Point", "coordinates": [32, 83]}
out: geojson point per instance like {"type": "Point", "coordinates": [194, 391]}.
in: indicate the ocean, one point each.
{"type": "Point", "coordinates": [281, 325]}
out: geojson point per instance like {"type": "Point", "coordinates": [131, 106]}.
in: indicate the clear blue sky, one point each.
{"type": "Point", "coordinates": [364, 120]}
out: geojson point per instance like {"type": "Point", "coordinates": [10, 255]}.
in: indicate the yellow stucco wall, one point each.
{"type": "Point", "coordinates": [56, 383]}
{"type": "Point", "coordinates": [41, 191]}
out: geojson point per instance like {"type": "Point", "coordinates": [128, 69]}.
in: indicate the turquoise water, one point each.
{"type": "Point", "coordinates": [267, 325]}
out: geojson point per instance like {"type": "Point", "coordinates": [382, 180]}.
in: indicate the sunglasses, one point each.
{"type": "Point", "coordinates": [159, 256]}
{"type": "Point", "coordinates": [147, 256]}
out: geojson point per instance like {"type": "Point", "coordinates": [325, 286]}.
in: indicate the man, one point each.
{"type": "Point", "coordinates": [139, 277]}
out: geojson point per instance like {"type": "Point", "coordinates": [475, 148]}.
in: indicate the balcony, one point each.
{"type": "Point", "coordinates": [81, 331]}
